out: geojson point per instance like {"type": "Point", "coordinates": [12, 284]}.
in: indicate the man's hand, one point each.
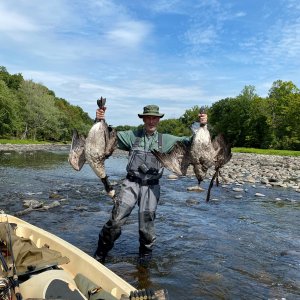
{"type": "Point", "coordinates": [100, 113]}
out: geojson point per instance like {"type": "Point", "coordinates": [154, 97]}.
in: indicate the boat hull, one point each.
{"type": "Point", "coordinates": [80, 262]}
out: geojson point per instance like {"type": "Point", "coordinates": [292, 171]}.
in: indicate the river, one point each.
{"type": "Point", "coordinates": [229, 248]}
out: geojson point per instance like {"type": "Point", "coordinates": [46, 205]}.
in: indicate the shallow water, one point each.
{"type": "Point", "coordinates": [229, 248]}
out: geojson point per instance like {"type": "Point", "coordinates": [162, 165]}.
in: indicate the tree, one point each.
{"type": "Point", "coordinates": [8, 111]}
{"type": "Point", "coordinates": [41, 118]}
{"type": "Point", "coordinates": [281, 95]}
{"type": "Point", "coordinates": [72, 117]}
{"type": "Point", "coordinates": [12, 81]}
{"type": "Point", "coordinates": [259, 134]}
{"type": "Point", "coordinates": [190, 116]}
{"type": "Point", "coordinates": [221, 118]}
{"type": "Point", "coordinates": [174, 127]}
{"type": "Point", "coordinates": [242, 114]}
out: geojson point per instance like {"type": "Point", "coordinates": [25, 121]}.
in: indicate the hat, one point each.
{"type": "Point", "coordinates": [151, 110]}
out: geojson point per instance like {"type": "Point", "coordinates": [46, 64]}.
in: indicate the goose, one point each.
{"type": "Point", "coordinates": [202, 153]}
{"type": "Point", "coordinates": [98, 146]}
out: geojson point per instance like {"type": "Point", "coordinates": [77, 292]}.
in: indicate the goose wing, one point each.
{"type": "Point", "coordinates": [77, 154]}
{"type": "Point", "coordinates": [111, 141]}
{"type": "Point", "coordinates": [223, 156]}
{"type": "Point", "coordinates": [177, 160]}
{"type": "Point", "coordinates": [223, 151]}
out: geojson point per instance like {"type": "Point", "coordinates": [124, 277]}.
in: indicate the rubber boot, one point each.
{"type": "Point", "coordinates": [145, 256]}
{"type": "Point", "coordinates": [102, 251]}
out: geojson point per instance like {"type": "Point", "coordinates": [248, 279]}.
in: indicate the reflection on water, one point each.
{"type": "Point", "coordinates": [34, 160]}
{"type": "Point", "coordinates": [246, 248]}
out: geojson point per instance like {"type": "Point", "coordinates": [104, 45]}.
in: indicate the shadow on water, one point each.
{"type": "Point", "coordinates": [229, 248]}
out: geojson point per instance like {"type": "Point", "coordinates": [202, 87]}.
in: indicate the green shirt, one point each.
{"type": "Point", "coordinates": [127, 138]}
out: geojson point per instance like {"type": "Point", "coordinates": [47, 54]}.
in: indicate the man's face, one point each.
{"type": "Point", "coordinates": [150, 123]}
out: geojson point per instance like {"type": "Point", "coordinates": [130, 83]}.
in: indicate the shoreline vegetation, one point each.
{"type": "Point", "coordinates": [30, 145]}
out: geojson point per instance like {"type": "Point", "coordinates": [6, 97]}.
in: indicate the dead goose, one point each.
{"type": "Point", "coordinates": [95, 149]}
{"type": "Point", "coordinates": [201, 153]}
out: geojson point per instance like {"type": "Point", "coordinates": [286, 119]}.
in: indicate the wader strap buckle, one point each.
{"type": "Point", "coordinates": [140, 181]}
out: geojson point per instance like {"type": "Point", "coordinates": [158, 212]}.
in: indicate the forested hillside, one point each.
{"type": "Point", "coordinates": [31, 111]}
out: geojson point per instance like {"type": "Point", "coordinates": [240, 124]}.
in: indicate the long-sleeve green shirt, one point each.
{"type": "Point", "coordinates": [127, 138]}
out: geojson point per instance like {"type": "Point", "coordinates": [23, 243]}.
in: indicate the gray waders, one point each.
{"type": "Point", "coordinates": [141, 187]}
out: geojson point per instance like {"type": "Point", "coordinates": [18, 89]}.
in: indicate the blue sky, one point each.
{"type": "Point", "coordinates": [173, 53]}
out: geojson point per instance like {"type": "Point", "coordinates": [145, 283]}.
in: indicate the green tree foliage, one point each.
{"type": "Point", "coordinates": [8, 108]}
{"type": "Point", "coordinates": [41, 118]}
{"type": "Point", "coordinates": [251, 121]}
{"type": "Point", "coordinates": [72, 117]}
{"type": "Point", "coordinates": [174, 127]}
{"type": "Point", "coordinates": [12, 81]}
{"type": "Point", "coordinates": [31, 110]}
{"type": "Point", "coordinates": [282, 112]}
{"type": "Point", "coordinates": [220, 116]}
{"type": "Point", "coordinates": [125, 127]}
{"type": "Point", "coordinates": [191, 115]}
{"type": "Point", "coordinates": [232, 117]}
{"type": "Point", "coordinates": [258, 132]}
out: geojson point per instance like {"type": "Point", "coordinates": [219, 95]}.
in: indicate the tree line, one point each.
{"type": "Point", "coordinates": [248, 120]}
{"type": "Point", "coordinates": [29, 110]}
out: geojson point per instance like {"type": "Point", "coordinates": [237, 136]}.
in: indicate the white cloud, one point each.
{"type": "Point", "coordinates": [11, 21]}
{"type": "Point", "coordinates": [129, 34]}
{"type": "Point", "coordinates": [240, 14]}
{"type": "Point", "coordinates": [173, 53]}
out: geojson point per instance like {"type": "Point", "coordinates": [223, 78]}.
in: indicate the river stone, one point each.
{"type": "Point", "coordinates": [272, 179]}
{"type": "Point", "coordinates": [32, 203]}
{"type": "Point", "coordinates": [264, 181]}
{"type": "Point", "coordinates": [53, 204]}
{"type": "Point", "coordinates": [238, 189]}
{"type": "Point", "coordinates": [81, 208]}
{"type": "Point", "coordinates": [259, 195]}
{"type": "Point", "coordinates": [192, 202]}
{"type": "Point", "coordinates": [250, 179]}
{"type": "Point", "coordinates": [195, 188]}
{"type": "Point", "coordinates": [172, 177]}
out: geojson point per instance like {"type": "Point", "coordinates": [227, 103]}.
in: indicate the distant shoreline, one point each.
{"type": "Point", "coordinates": [34, 147]}
{"type": "Point", "coordinates": [270, 170]}
{"type": "Point", "coordinates": [42, 147]}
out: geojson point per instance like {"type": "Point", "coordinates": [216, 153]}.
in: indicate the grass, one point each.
{"type": "Point", "coordinates": [267, 151]}
{"type": "Point", "coordinates": [21, 142]}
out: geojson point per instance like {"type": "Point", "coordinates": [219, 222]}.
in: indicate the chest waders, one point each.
{"type": "Point", "coordinates": [141, 187]}
{"type": "Point", "coordinates": [142, 166]}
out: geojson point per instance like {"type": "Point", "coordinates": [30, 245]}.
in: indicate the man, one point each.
{"type": "Point", "coordinates": [141, 185]}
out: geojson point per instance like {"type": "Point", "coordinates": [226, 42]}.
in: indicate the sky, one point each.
{"type": "Point", "coordinates": [172, 53]}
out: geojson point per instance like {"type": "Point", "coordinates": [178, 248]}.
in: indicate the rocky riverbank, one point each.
{"type": "Point", "coordinates": [270, 170]}
{"type": "Point", "coordinates": [33, 147]}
